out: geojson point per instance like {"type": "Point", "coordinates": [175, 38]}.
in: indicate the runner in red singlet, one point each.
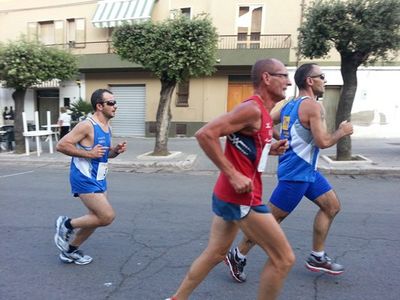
{"type": "Point", "coordinates": [237, 194]}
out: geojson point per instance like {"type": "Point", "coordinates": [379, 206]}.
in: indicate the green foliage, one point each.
{"type": "Point", "coordinates": [363, 29]}
{"type": "Point", "coordinates": [25, 63]}
{"type": "Point", "coordinates": [174, 50]}
{"type": "Point", "coordinates": [80, 108]}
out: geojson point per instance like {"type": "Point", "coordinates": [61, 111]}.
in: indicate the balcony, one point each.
{"type": "Point", "coordinates": [225, 42]}
{"type": "Point", "coordinates": [254, 41]}
{"type": "Point", "coordinates": [233, 50]}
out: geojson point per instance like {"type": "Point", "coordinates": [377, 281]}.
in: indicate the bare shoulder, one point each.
{"type": "Point", "coordinates": [82, 126]}
{"type": "Point", "coordinates": [243, 117]}
{"type": "Point", "coordinates": [250, 106]}
{"type": "Point", "coordinates": [310, 107]}
{"type": "Point", "coordinates": [82, 129]}
{"type": "Point", "coordinates": [248, 110]}
{"type": "Point", "coordinates": [249, 116]}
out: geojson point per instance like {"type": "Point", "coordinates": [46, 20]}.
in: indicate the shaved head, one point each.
{"type": "Point", "coordinates": [269, 65]}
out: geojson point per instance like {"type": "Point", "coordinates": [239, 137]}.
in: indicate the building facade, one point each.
{"type": "Point", "coordinates": [248, 31]}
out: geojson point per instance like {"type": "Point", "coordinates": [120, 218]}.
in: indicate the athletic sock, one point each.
{"type": "Point", "coordinates": [239, 255]}
{"type": "Point", "coordinates": [67, 224]}
{"type": "Point", "coordinates": [318, 254]}
{"type": "Point", "coordinates": [72, 249]}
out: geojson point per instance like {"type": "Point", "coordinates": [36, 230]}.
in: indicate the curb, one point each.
{"type": "Point", "coordinates": [185, 163]}
{"type": "Point", "coordinates": [159, 164]}
{"type": "Point", "coordinates": [387, 171]}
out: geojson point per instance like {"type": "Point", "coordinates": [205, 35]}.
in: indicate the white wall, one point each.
{"type": "Point", "coordinates": [377, 90]}
{"type": "Point", "coordinates": [69, 89]}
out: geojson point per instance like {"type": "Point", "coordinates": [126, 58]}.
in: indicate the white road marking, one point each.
{"type": "Point", "coordinates": [16, 174]}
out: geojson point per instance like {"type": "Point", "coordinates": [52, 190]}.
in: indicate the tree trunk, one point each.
{"type": "Point", "coordinates": [19, 97]}
{"type": "Point", "coordinates": [164, 117]}
{"type": "Point", "coordinates": [348, 69]}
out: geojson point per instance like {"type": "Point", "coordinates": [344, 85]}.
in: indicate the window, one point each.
{"type": "Point", "coordinates": [152, 127]}
{"type": "Point", "coordinates": [186, 12]}
{"type": "Point", "coordinates": [56, 33]}
{"type": "Point", "coordinates": [181, 129]}
{"type": "Point", "coordinates": [249, 26]}
{"type": "Point", "coordinates": [76, 33]}
{"type": "Point", "coordinates": [48, 32]}
{"type": "Point", "coordinates": [182, 99]}
{"type": "Point", "coordinates": [67, 102]}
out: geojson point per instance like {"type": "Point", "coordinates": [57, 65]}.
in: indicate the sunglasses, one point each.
{"type": "Point", "coordinates": [321, 76]}
{"type": "Point", "coordinates": [285, 75]}
{"type": "Point", "coordinates": [109, 103]}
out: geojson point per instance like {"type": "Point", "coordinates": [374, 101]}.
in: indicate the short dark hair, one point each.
{"type": "Point", "coordinates": [97, 97]}
{"type": "Point", "coordinates": [302, 73]}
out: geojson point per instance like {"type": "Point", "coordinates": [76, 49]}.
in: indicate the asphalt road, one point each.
{"type": "Point", "coordinates": [162, 224]}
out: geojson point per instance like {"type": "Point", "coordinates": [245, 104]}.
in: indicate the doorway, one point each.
{"type": "Point", "coordinates": [48, 100]}
{"type": "Point", "coordinates": [237, 92]}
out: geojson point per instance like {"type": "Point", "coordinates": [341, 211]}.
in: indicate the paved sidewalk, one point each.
{"type": "Point", "coordinates": [382, 154]}
{"type": "Point", "coordinates": [382, 157]}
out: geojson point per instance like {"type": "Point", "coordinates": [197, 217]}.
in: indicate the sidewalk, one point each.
{"type": "Point", "coordinates": [382, 154]}
{"type": "Point", "coordinates": [382, 157]}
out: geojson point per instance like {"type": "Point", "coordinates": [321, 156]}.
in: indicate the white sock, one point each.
{"type": "Point", "coordinates": [240, 255]}
{"type": "Point", "coordinates": [318, 253]}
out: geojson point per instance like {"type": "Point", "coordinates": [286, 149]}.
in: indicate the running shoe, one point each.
{"type": "Point", "coordinates": [324, 264]}
{"type": "Point", "coordinates": [76, 257]}
{"type": "Point", "coordinates": [63, 234]}
{"type": "Point", "coordinates": [236, 265]}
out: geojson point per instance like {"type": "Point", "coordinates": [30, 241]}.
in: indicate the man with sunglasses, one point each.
{"type": "Point", "coordinates": [303, 125]}
{"type": "Point", "coordinates": [89, 144]}
{"type": "Point", "coordinates": [236, 200]}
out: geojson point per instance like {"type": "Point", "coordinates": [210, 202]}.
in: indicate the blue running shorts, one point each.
{"type": "Point", "coordinates": [288, 194]}
{"type": "Point", "coordinates": [233, 212]}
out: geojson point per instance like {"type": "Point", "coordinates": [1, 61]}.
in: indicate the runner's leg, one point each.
{"type": "Point", "coordinates": [222, 234]}
{"type": "Point", "coordinates": [100, 213]}
{"type": "Point", "coordinates": [329, 207]}
{"type": "Point", "coordinates": [265, 231]}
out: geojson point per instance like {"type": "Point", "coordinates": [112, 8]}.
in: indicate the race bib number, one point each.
{"type": "Point", "coordinates": [285, 123]}
{"type": "Point", "coordinates": [262, 164]}
{"type": "Point", "coordinates": [102, 171]}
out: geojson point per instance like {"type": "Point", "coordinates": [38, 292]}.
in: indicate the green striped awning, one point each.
{"type": "Point", "coordinates": [111, 13]}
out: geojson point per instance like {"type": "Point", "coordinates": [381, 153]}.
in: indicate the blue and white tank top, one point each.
{"type": "Point", "coordinates": [88, 175]}
{"type": "Point", "coordinates": [299, 162]}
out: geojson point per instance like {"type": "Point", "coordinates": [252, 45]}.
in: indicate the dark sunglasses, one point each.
{"type": "Point", "coordinates": [109, 103]}
{"type": "Point", "coordinates": [321, 76]}
{"type": "Point", "coordinates": [285, 75]}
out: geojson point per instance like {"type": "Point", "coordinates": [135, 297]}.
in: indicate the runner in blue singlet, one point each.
{"type": "Point", "coordinates": [303, 125]}
{"type": "Point", "coordinates": [89, 144]}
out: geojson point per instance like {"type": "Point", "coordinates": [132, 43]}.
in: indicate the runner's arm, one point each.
{"type": "Point", "coordinates": [244, 117]}
{"type": "Point", "coordinates": [80, 132]}
{"type": "Point", "coordinates": [316, 116]}
{"type": "Point", "coordinates": [117, 150]}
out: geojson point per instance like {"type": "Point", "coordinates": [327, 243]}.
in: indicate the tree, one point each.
{"type": "Point", "coordinates": [24, 64]}
{"type": "Point", "coordinates": [174, 50]}
{"type": "Point", "coordinates": [362, 31]}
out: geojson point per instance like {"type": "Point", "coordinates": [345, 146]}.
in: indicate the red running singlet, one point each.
{"type": "Point", "coordinates": [244, 152]}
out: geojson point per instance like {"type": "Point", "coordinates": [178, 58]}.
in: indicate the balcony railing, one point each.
{"type": "Point", "coordinates": [225, 42]}
{"type": "Point", "coordinates": [254, 41]}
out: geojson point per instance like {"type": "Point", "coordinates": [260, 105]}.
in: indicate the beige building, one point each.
{"type": "Point", "coordinates": [248, 30]}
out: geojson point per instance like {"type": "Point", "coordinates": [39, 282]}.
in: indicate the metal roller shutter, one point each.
{"type": "Point", "coordinates": [130, 117]}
